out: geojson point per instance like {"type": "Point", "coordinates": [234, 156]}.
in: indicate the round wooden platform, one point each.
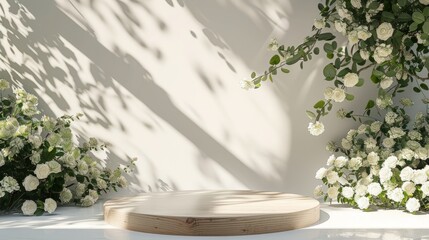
{"type": "Point", "coordinates": [212, 213]}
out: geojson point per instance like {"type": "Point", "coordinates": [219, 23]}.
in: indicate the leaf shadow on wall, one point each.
{"type": "Point", "coordinates": [107, 66]}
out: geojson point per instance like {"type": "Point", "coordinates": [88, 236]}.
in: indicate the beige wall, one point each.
{"type": "Point", "coordinates": [159, 80]}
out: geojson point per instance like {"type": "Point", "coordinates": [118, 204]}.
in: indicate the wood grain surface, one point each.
{"type": "Point", "coordinates": [212, 213]}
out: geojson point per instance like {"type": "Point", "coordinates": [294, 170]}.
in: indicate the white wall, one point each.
{"type": "Point", "coordinates": [159, 80]}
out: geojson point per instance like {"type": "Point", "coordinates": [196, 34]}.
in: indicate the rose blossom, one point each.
{"type": "Point", "coordinates": [30, 183]}
{"type": "Point", "coordinates": [412, 205]}
{"type": "Point", "coordinates": [50, 205]}
{"type": "Point", "coordinates": [347, 192]}
{"type": "Point", "coordinates": [42, 171]}
{"type": "Point", "coordinates": [316, 128]}
{"type": "Point", "coordinates": [29, 207]}
{"type": "Point", "coordinates": [351, 79]}
{"type": "Point", "coordinates": [363, 202]}
{"type": "Point", "coordinates": [384, 31]}
{"type": "Point", "coordinates": [374, 189]}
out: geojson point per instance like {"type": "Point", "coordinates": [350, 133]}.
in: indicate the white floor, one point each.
{"type": "Point", "coordinates": [337, 222]}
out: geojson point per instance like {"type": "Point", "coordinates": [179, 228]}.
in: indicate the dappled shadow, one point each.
{"type": "Point", "coordinates": [57, 50]}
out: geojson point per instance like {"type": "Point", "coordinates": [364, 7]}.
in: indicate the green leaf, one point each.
{"type": "Point", "coordinates": [349, 97]}
{"type": "Point", "coordinates": [370, 104]}
{"type": "Point", "coordinates": [426, 27]}
{"type": "Point", "coordinates": [326, 36]}
{"type": "Point", "coordinates": [316, 50]}
{"type": "Point", "coordinates": [285, 70]}
{"type": "Point", "coordinates": [402, 3]}
{"type": "Point", "coordinates": [329, 72]}
{"type": "Point", "coordinates": [413, 26]}
{"type": "Point", "coordinates": [327, 47]}
{"type": "Point", "coordinates": [275, 60]}
{"type": "Point", "coordinates": [424, 86]}
{"type": "Point", "coordinates": [426, 11]}
{"type": "Point", "coordinates": [374, 5]}
{"type": "Point", "coordinates": [416, 89]}
{"type": "Point", "coordinates": [294, 59]}
{"type": "Point", "coordinates": [343, 72]}
{"type": "Point", "coordinates": [311, 115]}
{"type": "Point", "coordinates": [360, 83]}
{"type": "Point", "coordinates": [404, 17]}
{"type": "Point", "coordinates": [418, 17]}
{"type": "Point", "coordinates": [388, 16]}
{"type": "Point", "coordinates": [319, 104]}
{"type": "Point", "coordinates": [253, 75]}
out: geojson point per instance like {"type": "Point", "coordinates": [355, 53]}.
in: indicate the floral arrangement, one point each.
{"type": "Point", "coordinates": [41, 166]}
{"type": "Point", "coordinates": [384, 161]}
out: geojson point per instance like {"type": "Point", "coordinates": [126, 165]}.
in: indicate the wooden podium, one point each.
{"type": "Point", "coordinates": [212, 213]}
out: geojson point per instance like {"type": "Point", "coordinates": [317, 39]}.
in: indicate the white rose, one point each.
{"type": "Point", "coordinates": [375, 170]}
{"type": "Point", "coordinates": [422, 153]}
{"type": "Point", "coordinates": [340, 162]}
{"type": "Point", "coordinates": [356, 3]}
{"type": "Point", "coordinates": [331, 160]}
{"type": "Point", "coordinates": [54, 166]}
{"type": "Point", "coordinates": [319, 23]}
{"type": "Point", "coordinates": [80, 189]}
{"type": "Point", "coordinates": [406, 154]}
{"type": "Point", "coordinates": [364, 54]}
{"type": "Point", "coordinates": [346, 144]}
{"type": "Point", "coordinates": [355, 163]}
{"type": "Point", "coordinates": [424, 2]}
{"type": "Point", "coordinates": [419, 176]}
{"type": "Point", "coordinates": [385, 174]}
{"type": "Point", "coordinates": [122, 181]}
{"type": "Point", "coordinates": [373, 158]}
{"type": "Point", "coordinates": [66, 195]}
{"type": "Point", "coordinates": [332, 177]}
{"type": "Point", "coordinates": [425, 189]}
{"type": "Point", "coordinates": [412, 205]}
{"type": "Point", "coordinates": [386, 82]}
{"type": "Point", "coordinates": [340, 26]}
{"type": "Point", "coordinates": [332, 192]}
{"type": "Point", "coordinates": [384, 31]}
{"type": "Point", "coordinates": [360, 190]}
{"type": "Point", "coordinates": [321, 173]}
{"type": "Point", "coordinates": [101, 183]}
{"type": "Point", "coordinates": [29, 207]}
{"type": "Point", "coordinates": [316, 128]}
{"type": "Point", "coordinates": [30, 183]}
{"type": "Point", "coordinates": [351, 79]}
{"type": "Point", "coordinates": [338, 95]}
{"type": "Point", "coordinates": [42, 171]}
{"type": "Point", "coordinates": [93, 194]}
{"type": "Point", "coordinates": [347, 192]}
{"type": "Point", "coordinates": [363, 202]}
{"type": "Point", "coordinates": [396, 132]}
{"type": "Point", "coordinates": [391, 162]}
{"type": "Point", "coordinates": [328, 93]}
{"type": "Point", "coordinates": [363, 33]}
{"type": "Point", "coordinates": [375, 126]}
{"type": "Point", "coordinates": [388, 142]}
{"type": "Point", "coordinates": [353, 37]}
{"type": "Point", "coordinates": [87, 201]}
{"type": "Point", "coordinates": [374, 189]}
{"type": "Point", "coordinates": [406, 174]}
{"type": "Point", "coordinates": [246, 85]}
{"type": "Point", "coordinates": [409, 187]}
{"type": "Point", "coordinates": [50, 205]}
{"type": "Point", "coordinates": [382, 53]}
{"type": "Point", "coordinates": [396, 195]}
{"type": "Point", "coordinates": [318, 191]}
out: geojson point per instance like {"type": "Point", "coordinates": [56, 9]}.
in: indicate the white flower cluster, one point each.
{"type": "Point", "coordinates": [38, 158]}
{"type": "Point", "coordinates": [383, 164]}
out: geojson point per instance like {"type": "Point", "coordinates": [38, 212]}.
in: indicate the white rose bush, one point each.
{"type": "Point", "coordinates": [384, 162]}
{"type": "Point", "coordinates": [41, 165]}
